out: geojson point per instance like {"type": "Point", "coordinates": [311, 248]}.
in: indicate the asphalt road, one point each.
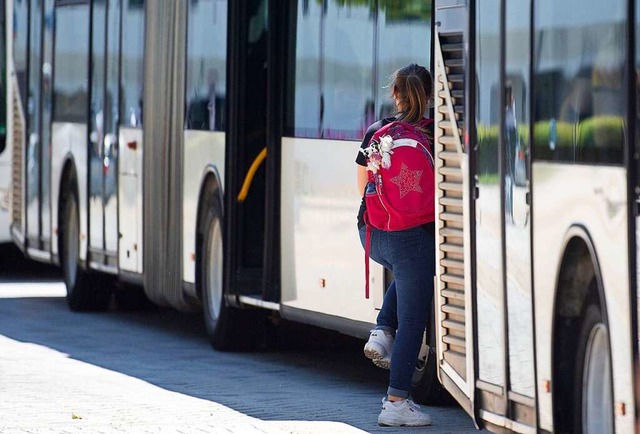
{"type": "Point", "coordinates": [151, 370]}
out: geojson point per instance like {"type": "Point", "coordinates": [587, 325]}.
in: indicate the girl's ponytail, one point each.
{"type": "Point", "coordinates": [411, 86]}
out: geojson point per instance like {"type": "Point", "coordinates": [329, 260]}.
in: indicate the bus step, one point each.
{"type": "Point", "coordinates": [453, 310]}
{"type": "Point", "coordinates": [452, 263]}
{"type": "Point", "coordinates": [452, 248]}
{"type": "Point", "coordinates": [451, 201]}
{"type": "Point", "coordinates": [450, 232]}
{"type": "Point", "coordinates": [455, 294]}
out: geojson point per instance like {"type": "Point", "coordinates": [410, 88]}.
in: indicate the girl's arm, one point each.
{"type": "Point", "coordinates": [362, 178]}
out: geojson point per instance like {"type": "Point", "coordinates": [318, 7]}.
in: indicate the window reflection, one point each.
{"type": "Point", "coordinates": [132, 62]}
{"type": "Point", "coordinates": [488, 209]}
{"type": "Point", "coordinates": [20, 31]}
{"type": "Point", "coordinates": [344, 54]}
{"type": "Point", "coordinates": [71, 53]}
{"type": "Point", "coordinates": [580, 104]}
{"type": "Point", "coordinates": [206, 65]}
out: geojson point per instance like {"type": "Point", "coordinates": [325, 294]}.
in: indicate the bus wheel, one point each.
{"type": "Point", "coordinates": [594, 392]}
{"type": "Point", "coordinates": [228, 328]}
{"type": "Point", "coordinates": [85, 292]}
{"type": "Point", "coordinates": [426, 389]}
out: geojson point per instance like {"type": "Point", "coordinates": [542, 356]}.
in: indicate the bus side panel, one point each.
{"type": "Point", "coordinates": [68, 141]}
{"type": "Point", "coordinates": [201, 148]}
{"type": "Point", "coordinates": [594, 198]}
{"type": "Point", "coordinates": [322, 257]}
{"type": "Point", "coordinates": [130, 199]}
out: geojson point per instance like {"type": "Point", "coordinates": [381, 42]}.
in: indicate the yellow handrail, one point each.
{"type": "Point", "coordinates": [244, 191]}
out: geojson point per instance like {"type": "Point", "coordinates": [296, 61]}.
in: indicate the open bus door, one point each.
{"type": "Point", "coordinates": [454, 316]}
{"type": "Point", "coordinates": [483, 278]}
{"type": "Point", "coordinates": [254, 129]}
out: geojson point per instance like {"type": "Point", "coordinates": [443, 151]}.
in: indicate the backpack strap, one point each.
{"type": "Point", "coordinates": [367, 250]}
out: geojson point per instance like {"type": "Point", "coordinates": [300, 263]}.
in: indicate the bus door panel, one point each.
{"type": "Point", "coordinates": [103, 129]}
{"type": "Point", "coordinates": [111, 117]}
{"type": "Point", "coordinates": [34, 151]}
{"type": "Point", "coordinates": [247, 137]}
{"type": "Point", "coordinates": [504, 334]}
{"type": "Point", "coordinates": [517, 216]}
{"type": "Point", "coordinates": [96, 126]}
{"type": "Point", "coordinates": [129, 133]}
{"type": "Point", "coordinates": [489, 239]}
{"type": "Point", "coordinates": [47, 113]}
{"type": "Point", "coordinates": [130, 200]}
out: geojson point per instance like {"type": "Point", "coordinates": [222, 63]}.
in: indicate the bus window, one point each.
{"type": "Point", "coordinates": [132, 62]}
{"type": "Point", "coordinates": [206, 65]}
{"type": "Point", "coordinates": [581, 103]}
{"type": "Point", "coordinates": [72, 47]}
{"type": "Point", "coordinates": [490, 296]}
{"type": "Point", "coordinates": [347, 92]}
{"type": "Point", "coordinates": [20, 32]}
{"type": "Point", "coordinates": [404, 36]}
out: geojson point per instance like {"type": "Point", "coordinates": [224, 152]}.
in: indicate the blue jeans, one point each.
{"type": "Point", "coordinates": [410, 255]}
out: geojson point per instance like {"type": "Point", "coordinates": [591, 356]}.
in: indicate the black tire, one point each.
{"type": "Point", "coordinates": [228, 328]}
{"type": "Point", "coordinates": [85, 291]}
{"type": "Point", "coordinates": [426, 388]}
{"type": "Point", "coordinates": [593, 403]}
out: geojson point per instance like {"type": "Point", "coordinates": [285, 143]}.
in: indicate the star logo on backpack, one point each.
{"type": "Point", "coordinates": [407, 180]}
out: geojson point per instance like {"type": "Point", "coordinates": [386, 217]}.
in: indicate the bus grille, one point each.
{"type": "Point", "coordinates": [452, 182]}
{"type": "Point", "coordinates": [17, 163]}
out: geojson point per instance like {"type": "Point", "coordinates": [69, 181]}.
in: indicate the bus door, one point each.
{"type": "Point", "coordinates": [103, 133]}
{"type": "Point", "coordinates": [39, 106]}
{"type": "Point", "coordinates": [251, 253]}
{"type": "Point", "coordinates": [504, 326]}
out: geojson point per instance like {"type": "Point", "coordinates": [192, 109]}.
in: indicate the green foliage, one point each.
{"type": "Point", "coordinates": [564, 134]}
{"type": "Point", "coordinates": [601, 132]}
{"type": "Point", "coordinates": [395, 10]}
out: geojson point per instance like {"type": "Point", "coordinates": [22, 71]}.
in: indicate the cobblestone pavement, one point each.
{"type": "Point", "coordinates": [154, 372]}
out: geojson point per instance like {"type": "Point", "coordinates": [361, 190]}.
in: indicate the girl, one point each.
{"type": "Point", "coordinates": [410, 255]}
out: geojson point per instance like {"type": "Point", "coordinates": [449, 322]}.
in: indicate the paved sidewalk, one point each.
{"type": "Point", "coordinates": [45, 391]}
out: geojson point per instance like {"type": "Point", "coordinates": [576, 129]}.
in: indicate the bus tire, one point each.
{"type": "Point", "coordinates": [85, 291]}
{"type": "Point", "coordinates": [593, 410]}
{"type": "Point", "coordinates": [228, 328]}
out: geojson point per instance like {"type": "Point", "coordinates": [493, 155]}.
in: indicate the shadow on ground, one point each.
{"type": "Point", "coordinates": [314, 375]}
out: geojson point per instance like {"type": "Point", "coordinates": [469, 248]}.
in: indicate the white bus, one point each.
{"type": "Point", "coordinates": [139, 122]}
{"type": "Point", "coordinates": [538, 190]}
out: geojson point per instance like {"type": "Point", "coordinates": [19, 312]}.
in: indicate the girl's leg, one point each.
{"type": "Point", "coordinates": [413, 254]}
{"type": "Point", "coordinates": [387, 317]}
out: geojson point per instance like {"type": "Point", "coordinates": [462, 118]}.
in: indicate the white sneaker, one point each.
{"type": "Point", "coordinates": [402, 413]}
{"type": "Point", "coordinates": [379, 347]}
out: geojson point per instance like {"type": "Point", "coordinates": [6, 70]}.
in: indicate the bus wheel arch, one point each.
{"type": "Point", "coordinates": [86, 291]}
{"type": "Point", "coordinates": [229, 328]}
{"type": "Point", "coordinates": [579, 322]}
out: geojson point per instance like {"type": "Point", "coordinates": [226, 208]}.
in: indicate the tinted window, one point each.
{"type": "Point", "coordinates": [344, 53]}
{"type": "Point", "coordinates": [206, 65]}
{"type": "Point", "coordinates": [489, 282]}
{"type": "Point", "coordinates": [580, 101]}
{"type": "Point", "coordinates": [71, 63]}
{"type": "Point", "coordinates": [20, 32]}
{"type": "Point", "coordinates": [132, 62]}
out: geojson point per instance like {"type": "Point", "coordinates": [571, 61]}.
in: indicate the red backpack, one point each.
{"type": "Point", "coordinates": [400, 193]}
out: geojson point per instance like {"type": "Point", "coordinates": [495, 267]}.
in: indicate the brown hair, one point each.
{"type": "Point", "coordinates": [412, 86]}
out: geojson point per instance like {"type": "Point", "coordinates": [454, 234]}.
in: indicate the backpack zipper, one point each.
{"type": "Point", "coordinates": [383, 205]}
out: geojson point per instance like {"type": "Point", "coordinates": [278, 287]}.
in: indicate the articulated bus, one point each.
{"type": "Point", "coordinates": [204, 151]}
{"type": "Point", "coordinates": [537, 126]}
{"type": "Point", "coordinates": [139, 131]}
